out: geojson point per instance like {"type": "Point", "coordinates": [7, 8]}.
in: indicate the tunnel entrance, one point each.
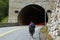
{"type": "Point", "coordinates": [33, 13]}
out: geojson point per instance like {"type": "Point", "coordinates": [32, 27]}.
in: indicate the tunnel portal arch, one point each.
{"type": "Point", "coordinates": [32, 12]}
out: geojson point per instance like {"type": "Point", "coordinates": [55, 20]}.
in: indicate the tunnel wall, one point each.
{"type": "Point", "coordinates": [19, 4]}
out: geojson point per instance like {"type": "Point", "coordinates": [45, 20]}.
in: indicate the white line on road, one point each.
{"type": "Point", "coordinates": [3, 34]}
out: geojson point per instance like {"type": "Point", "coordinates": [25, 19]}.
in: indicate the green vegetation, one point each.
{"type": "Point", "coordinates": [4, 5]}
{"type": "Point", "coordinates": [4, 20]}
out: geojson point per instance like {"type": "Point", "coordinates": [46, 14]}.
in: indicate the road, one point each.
{"type": "Point", "coordinates": [18, 33]}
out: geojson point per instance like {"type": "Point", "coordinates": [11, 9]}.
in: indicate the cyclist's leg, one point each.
{"type": "Point", "coordinates": [30, 31]}
{"type": "Point", "coordinates": [33, 31]}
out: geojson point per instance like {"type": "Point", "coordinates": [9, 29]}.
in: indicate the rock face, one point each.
{"type": "Point", "coordinates": [53, 24]}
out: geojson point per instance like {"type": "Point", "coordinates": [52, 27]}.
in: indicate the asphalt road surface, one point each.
{"type": "Point", "coordinates": [18, 33]}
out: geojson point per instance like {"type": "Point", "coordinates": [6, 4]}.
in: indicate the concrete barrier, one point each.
{"type": "Point", "coordinates": [8, 24]}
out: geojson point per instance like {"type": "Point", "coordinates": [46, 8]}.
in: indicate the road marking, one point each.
{"type": "Point", "coordinates": [3, 34]}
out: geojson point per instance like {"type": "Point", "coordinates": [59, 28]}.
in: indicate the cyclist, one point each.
{"type": "Point", "coordinates": [31, 28]}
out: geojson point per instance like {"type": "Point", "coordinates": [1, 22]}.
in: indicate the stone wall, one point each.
{"type": "Point", "coordinates": [19, 4]}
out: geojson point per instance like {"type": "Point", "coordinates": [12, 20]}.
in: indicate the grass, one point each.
{"type": "Point", "coordinates": [45, 30]}
{"type": "Point", "coordinates": [4, 20]}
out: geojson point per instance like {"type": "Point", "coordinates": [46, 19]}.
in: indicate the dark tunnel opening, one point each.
{"type": "Point", "coordinates": [33, 13]}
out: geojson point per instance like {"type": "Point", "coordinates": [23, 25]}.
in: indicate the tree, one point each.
{"type": "Point", "coordinates": [4, 5]}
